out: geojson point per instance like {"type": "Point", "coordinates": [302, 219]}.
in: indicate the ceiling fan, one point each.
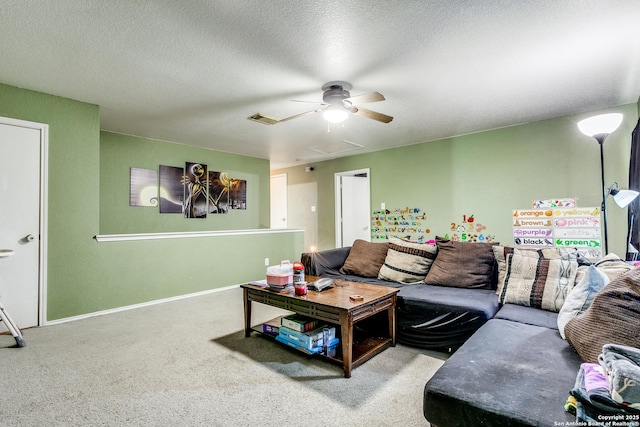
{"type": "Point", "coordinates": [336, 107]}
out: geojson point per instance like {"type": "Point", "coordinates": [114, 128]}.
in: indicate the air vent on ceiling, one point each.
{"type": "Point", "coordinates": [261, 118]}
{"type": "Point", "coordinates": [336, 147]}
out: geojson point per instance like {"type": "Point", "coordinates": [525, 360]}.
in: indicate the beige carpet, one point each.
{"type": "Point", "coordinates": [187, 363]}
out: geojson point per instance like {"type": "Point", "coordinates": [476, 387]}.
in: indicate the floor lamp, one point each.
{"type": "Point", "coordinates": [599, 127]}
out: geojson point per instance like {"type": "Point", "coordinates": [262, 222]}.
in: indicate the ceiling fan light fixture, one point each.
{"type": "Point", "coordinates": [335, 115]}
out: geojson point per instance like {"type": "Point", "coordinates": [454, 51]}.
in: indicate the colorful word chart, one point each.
{"type": "Point", "coordinates": [568, 227]}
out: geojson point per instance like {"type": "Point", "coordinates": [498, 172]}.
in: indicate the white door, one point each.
{"type": "Point", "coordinates": [353, 206]}
{"type": "Point", "coordinates": [278, 200]}
{"type": "Point", "coordinates": [22, 159]}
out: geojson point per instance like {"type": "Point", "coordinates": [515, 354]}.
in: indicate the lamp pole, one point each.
{"type": "Point", "coordinates": [600, 138]}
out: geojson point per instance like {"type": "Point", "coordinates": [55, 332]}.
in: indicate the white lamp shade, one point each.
{"type": "Point", "coordinates": [335, 115]}
{"type": "Point", "coordinates": [602, 124]}
{"type": "Point", "coordinates": [624, 197]}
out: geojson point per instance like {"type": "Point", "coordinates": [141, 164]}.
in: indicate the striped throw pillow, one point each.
{"type": "Point", "coordinates": [538, 282]}
{"type": "Point", "coordinates": [501, 252]}
{"type": "Point", "coordinates": [407, 262]}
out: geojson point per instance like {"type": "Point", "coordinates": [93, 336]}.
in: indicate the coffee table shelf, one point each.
{"type": "Point", "coordinates": [334, 306]}
{"type": "Point", "coordinates": [364, 345]}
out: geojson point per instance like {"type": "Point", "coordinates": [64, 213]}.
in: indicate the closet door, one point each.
{"type": "Point", "coordinates": [22, 146]}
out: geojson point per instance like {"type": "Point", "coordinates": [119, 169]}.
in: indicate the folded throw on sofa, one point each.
{"type": "Point", "coordinates": [622, 364]}
{"type": "Point", "coordinates": [592, 389]}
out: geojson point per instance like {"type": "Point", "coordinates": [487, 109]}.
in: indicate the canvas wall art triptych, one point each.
{"type": "Point", "coordinates": [192, 190]}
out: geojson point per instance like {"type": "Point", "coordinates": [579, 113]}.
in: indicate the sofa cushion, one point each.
{"type": "Point", "coordinates": [462, 265]}
{"type": "Point", "coordinates": [581, 296]}
{"type": "Point", "coordinates": [407, 262]}
{"type": "Point", "coordinates": [442, 318]}
{"type": "Point", "coordinates": [365, 258]}
{"type": "Point", "coordinates": [522, 380]}
{"type": "Point", "coordinates": [612, 318]}
{"type": "Point", "coordinates": [538, 282]}
{"type": "Point", "coordinates": [528, 315]}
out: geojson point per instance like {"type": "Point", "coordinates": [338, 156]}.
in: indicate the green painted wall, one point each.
{"type": "Point", "coordinates": [85, 276]}
{"type": "Point", "coordinates": [118, 153]}
{"type": "Point", "coordinates": [486, 174]}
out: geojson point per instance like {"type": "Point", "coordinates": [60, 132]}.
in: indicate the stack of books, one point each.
{"type": "Point", "coordinates": [307, 335]}
{"type": "Point", "coordinates": [299, 323]}
{"type": "Point", "coordinates": [282, 288]}
{"type": "Point", "coordinates": [285, 289]}
{"type": "Point", "coordinates": [272, 327]}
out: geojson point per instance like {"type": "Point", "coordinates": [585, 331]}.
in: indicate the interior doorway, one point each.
{"type": "Point", "coordinates": [23, 160]}
{"type": "Point", "coordinates": [303, 212]}
{"type": "Point", "coordinates": [278, 201]}
{"type": "Point", "coordinates": [353, 206]}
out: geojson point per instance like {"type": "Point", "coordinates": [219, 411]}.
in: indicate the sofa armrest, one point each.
{"type": "Point", "coordinates": [325, 262]}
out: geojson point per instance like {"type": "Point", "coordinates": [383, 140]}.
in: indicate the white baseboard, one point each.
{"type": "Point", "coordinates": [134, 306]}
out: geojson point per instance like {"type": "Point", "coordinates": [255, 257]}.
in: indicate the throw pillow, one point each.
{"type": "Point", "coordinates": [501, 252]}
{"type": "Point", "coordinates": [462, 265]}
{"type": "Point", "coordinates": [611, 265]}
{"type": "Point", "coordinates": [581, 296]}
{"type": "Point", "coordinates": [407, 262]}
{"type": "Point", "coordinates": [612, 318]}
{"type": "Point", "coordinates": [538, 282]}
{"type": "Point", "coordinates": [365, 258]}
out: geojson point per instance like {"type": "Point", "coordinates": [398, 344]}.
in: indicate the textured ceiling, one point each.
{"type": "Point", "coordinates": [193, 71]}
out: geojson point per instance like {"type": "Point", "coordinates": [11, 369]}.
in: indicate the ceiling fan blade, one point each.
{"type": "Point", "coordinates": [365, 98]}
{"type": "Point", "coordinates": [307, 102]}
{"type": "Point", "coordinates": [268, 120]}
{"type": "Point", "coordinates": [372, 115]}
{"type": "Point", "coordinates": [286, 119]}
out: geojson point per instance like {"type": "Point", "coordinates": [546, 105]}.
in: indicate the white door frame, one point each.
{"type": "Point", "coordinates": [44, 198]}
{"type": "Point", "coordinates": [338, 195]}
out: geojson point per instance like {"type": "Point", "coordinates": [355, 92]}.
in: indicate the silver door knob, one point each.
{"type": "Point", "coordinates": [30, 238]}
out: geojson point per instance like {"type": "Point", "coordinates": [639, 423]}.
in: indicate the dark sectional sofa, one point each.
{"type": "Point", "coordinates": [510, 367]}
{"type": "Point", "coordinates": [429, 317]}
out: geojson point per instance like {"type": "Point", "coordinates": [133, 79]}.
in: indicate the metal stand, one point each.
{"type": "Point", "coordinates": [4, 317]}
{"type": "Point", "coordinates": [600, 138]}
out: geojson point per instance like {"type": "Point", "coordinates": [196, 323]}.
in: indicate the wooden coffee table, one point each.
{"type": "Point", "coordinates": [334, 306]}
